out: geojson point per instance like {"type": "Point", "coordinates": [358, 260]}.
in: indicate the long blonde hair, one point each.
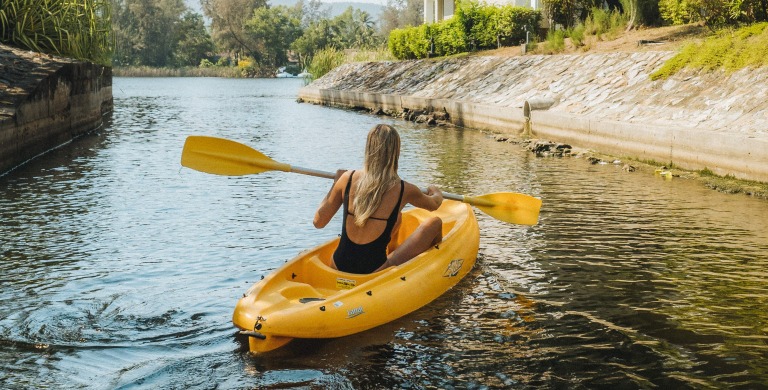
{"type": "Point", "coordinates": [382, 151]}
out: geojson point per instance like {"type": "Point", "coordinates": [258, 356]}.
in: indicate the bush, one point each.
{"type": "Point", "coordinates": [577, 35]}
{"type": "Point", "coordinates": [324, 61]}
{"type": "Point", "coordinates": [449, 38]}
{"type": "Point", "coordinates": [474, 26]}
{"type": "Point", "coordinates": [513, 23]}
{"type": "Point", "coordinates": [555, 41]}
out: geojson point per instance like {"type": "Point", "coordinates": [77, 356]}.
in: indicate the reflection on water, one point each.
{"type": "Point", "coordinates": [121, 269]}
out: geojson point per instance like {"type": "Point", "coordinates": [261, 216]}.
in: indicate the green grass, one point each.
{"type": "Point", "coordinates": [190, 71]}
{"type": "Point", "coordinates": [729, 50]}
{"type": "Point", "coordinates": [324, 61]}
{"type": "Point", "coordinates": [79, 29]}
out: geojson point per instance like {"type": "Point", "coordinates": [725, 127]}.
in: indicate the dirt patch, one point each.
{"type": "Point", "coordinates": [670, 38]}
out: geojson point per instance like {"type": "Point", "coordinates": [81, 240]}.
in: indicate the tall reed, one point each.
{"type": "Point", "coordinates": [325, 60]}
{"type": "Point", "coordinates": [79, 29]}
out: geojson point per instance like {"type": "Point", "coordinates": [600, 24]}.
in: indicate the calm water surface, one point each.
{"type": "Point", "coordinates": [120, 269]}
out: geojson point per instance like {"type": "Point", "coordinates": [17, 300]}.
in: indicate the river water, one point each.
{"type": "Point", "coordinates": [120, 268]}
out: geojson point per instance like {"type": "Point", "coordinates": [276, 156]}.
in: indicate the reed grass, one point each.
{"type": "Point", "coordinates": [324, 61]}
{"type": "Point", "coordinates": [79, 29]}
{"type": "Point", "coordinates": [190, 71]}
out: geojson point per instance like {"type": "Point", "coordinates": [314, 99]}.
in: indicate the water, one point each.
{"type": "Point", "coordinates": [120, 269]}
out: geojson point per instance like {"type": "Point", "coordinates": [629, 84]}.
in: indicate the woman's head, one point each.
{"type": "Point", "coordinates": [382, 151]}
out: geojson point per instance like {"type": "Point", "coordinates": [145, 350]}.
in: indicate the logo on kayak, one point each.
{"type": "Point", "coordinates": [453, 268]}
{"type": "Point", "coordinates": [355, 312]}
{"type": "Point", "coordinates": [345, 284]}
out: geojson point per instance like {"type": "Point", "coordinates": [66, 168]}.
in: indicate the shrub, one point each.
{"type": "Point", "coordinates": [577, 35]}
{"type": "Point", "coordinates": [555, 41]}
{"type": "Point", "coordinates": [324, 61]}
{"type": "Point", "coordinates": [513, 23]}
{"type": "Point", "coordinates": [474, 26]}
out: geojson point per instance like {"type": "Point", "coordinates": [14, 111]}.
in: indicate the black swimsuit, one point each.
{"type": "Point", "coordinates": [364, 258]}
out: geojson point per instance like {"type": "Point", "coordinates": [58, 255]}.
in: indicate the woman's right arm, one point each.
{"type": "Point", "coordinates": [332, 201]}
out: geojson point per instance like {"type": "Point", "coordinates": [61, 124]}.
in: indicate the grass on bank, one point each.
{"type": "Point", "coordinates": [600, 25]}
{"type": "Point", "coordinates": [729, 50]}
{"type": "Point", "coordinates": [189, 71]}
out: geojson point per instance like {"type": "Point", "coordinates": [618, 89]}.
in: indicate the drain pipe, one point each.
{"type": "Point", "coordinates": [534, 104]}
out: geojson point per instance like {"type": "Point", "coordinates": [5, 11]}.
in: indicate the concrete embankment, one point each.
{"type": "Point", "coordinates": [46, 101]}
{"type": "Point", "coordinates": [605, 102]}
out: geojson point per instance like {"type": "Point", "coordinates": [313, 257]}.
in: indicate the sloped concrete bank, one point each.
{"type": "Point", "coordinates": [46, 101]}
{"type": "Point", "coordinates": [605, 102]}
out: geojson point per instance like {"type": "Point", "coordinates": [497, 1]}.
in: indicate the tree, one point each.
{"type": "Point", "coordinates": [354, 28]}
{"type": "Point", "coordinates": [193, 43]}
{"type": "Point", "coordinates": [145, 31]}
{"type": "Point", "coordinates": [274, 29]}
{"type": "Point", "coordinates": [228, 19]}
{"type": "Point", "coordinates": [400, 14]}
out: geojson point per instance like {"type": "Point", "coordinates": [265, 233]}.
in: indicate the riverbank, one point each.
{"type": "Point", "coordinates": [46, 101]}
{"type": "Point", "coordinates": [603, 101]}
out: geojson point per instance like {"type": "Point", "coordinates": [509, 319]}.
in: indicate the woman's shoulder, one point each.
{"type": "Point", "coordinates": [410, 189]}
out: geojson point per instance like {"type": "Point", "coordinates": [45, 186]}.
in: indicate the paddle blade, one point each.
{"type": "Point", "coordinates": [221, 156]}
{"type": "Point", "coordinates": [509, 207]}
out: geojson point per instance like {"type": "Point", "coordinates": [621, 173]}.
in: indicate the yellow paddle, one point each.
{"type": "Point", "coordinates": [221, 156]}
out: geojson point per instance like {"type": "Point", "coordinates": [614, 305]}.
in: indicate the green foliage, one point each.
{"type": "Point", "coordinates": [449, 37]}
{"type": "Point", "coordinates": [577, 34]}
{"type": "Point", "coordinates": [352, 29]}
{"type": "Point", "coordinates": [400, 14]}
{"type": "Point", "coordinates": [274, 29]}
{"type": "Point", "coordinates": [147, 32]}
{"type": "Point", "coordinates": [728, 50]}
{"type": "Point", "coordinates": [555, 42]}
{"type": "Point", "coordinates": [512, 23]}
{"type": "Point", "coordinates": [715, 13]}
{"type": "Point", "coordinates": [192, 42]}
{"type": "Point", "coordinates": [78, 28]}
{"type": "Point", "coordinates": [324, 61]}
{"type": "Point", "coordinates": [601, 21]}
{"type": "Point", "coordinates": [679, 11]}
{"type": "Point", "coordinates": [474, 26]}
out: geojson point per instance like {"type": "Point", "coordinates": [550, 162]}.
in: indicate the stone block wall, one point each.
{"type": "Point", "coordinates": [606, 102]}
{"type": "Point", "coordinates": [47, 101]}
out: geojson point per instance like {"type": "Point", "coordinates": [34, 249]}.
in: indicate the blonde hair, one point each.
{"type": "Point", "coordinates": [382, 151]}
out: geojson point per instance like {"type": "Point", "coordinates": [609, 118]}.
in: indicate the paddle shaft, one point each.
{"type": "Point", "coordinates": [329, 175]}
{"type": "Point", "coordinates": [221, 156]}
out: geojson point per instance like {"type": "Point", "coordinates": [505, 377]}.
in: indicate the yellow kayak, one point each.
{"type": "Point", "coordinates": [305, 298]}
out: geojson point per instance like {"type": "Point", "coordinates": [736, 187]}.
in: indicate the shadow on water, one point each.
{"type": "Point", "coordinates": [120, 269]}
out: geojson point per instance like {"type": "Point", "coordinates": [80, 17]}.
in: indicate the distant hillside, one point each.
{"type": "Point", "coordinates": [336, 7]}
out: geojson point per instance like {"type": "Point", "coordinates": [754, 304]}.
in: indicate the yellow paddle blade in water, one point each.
{"type": "Point", "coordinates": [508, 207]}
{"type": "Point", "coordinates": [221, 156]}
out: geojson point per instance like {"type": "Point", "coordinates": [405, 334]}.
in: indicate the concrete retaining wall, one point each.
{"type": "Point", "coordinates": [47, 102]}
{"type": "Point", "coordinates": [602, 102]}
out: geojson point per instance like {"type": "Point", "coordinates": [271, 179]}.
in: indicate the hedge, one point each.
{"type": "Point", "coordinates": [474, 26]}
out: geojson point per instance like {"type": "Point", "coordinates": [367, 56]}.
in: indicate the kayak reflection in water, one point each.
{"type": "Point", "coordinates": [373, 199]}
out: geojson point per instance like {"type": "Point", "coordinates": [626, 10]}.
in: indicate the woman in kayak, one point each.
{"type": "Point", "coordinates": [373, 198]}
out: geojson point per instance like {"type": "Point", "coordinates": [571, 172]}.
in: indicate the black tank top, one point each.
{"type": "Point", "coordinates": [364, 258]}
